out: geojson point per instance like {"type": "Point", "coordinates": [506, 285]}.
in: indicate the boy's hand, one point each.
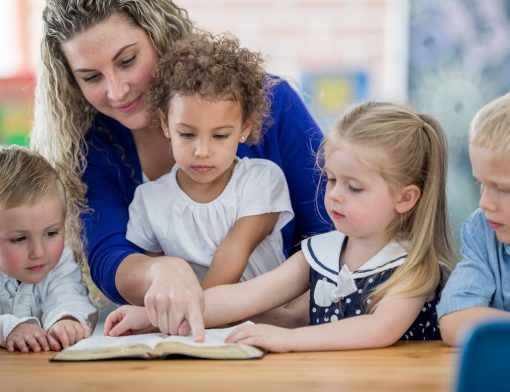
{"type": "Point", "coordinates": [66, 332]}
{"type": "Point", "coordinates": [128, 320]}
{"type": "Point", "coordinates": [26, 337]}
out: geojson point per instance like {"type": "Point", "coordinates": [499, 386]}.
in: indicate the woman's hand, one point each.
{"type": "Point", "coordinates": [174, 301]}
{"type": "Point", "coordinates": [128, 320]}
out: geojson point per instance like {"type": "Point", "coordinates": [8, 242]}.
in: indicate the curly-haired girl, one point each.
{"type": "Point", "coordinates": [225, 214]}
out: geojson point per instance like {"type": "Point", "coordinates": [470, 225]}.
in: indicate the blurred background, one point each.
{"type": "Point", "coordinates": [444, 57]}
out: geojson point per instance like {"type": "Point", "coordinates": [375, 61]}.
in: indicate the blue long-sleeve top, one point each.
{"type": "Point", "coordinates": [113, 171]}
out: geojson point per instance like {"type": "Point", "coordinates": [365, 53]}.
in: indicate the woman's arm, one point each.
{"type": "Point", "coordinates": [382, 328]}
{"type": "Point", "coordinates": [231, 303]}
{"type": "Point", "coordinates": [231, 257]}
{"type": "Point", "coordinates": [298, 140]}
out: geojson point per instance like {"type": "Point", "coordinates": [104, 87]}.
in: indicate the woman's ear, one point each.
{"type": "Point", "coordinates": [164, 124]}
{"type": "Point", "coordinates": [409, 195]}
{"type": "Point", "coordinates": [246, 131]}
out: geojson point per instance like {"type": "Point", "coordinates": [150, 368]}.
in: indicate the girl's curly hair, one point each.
{"type": "Point", "coordinates": [215, 67]}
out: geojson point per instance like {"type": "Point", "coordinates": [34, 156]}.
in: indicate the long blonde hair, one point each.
{"type": "Point", "coordinates": [416, 151]}
{"type": "Point", "coordinates": [62, 114]}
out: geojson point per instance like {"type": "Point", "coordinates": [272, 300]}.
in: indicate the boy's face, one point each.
{"type": "Point", "coordinates": [493, 172]}
{"type": "Point", "coordinates": [31, 238]}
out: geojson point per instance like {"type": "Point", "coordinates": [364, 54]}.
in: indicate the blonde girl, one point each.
{"type": "Point", "coordinates": [376, 278]}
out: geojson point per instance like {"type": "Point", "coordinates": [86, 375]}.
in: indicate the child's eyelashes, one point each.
{"type": "Point", "coordinates": [18, 240]}
{"type": "Point", "coordinates": [351, 188]}
{"type": "Point", "coordinates": [186, 135]}
{"type": "Point", "coordinates": [354, 189]}
{"type": "Point", "coordinates": [52, 233]}
{"type": "Point", "coordinates": [191, 135]}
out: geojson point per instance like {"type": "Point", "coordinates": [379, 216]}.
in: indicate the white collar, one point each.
{"type": "Point", "coordinates": [322, 252]}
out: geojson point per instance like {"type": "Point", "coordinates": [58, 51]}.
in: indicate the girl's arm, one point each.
{"type": "Point", "coordinates": [383, 328]}
{"type": "Point", "coordinates": [231, 303]}
{"type": "Point", "coordinates": [232, 255]}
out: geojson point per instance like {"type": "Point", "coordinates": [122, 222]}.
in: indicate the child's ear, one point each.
{"type": "Point", "coordinates": [246, 130]}
{"type": "Point", "coordinates": [164, 124]}
{"type": "Point", "coordinates": [409, 195]}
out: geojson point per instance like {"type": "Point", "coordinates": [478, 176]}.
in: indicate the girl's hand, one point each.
{"type": "Point", "coordinates": [26, 337]}
{"type": "Point", "coordinates": [128, 320]}
{"type": "Point", "coordinates": [175, 301]}
{"type": "Point", "coordinates": [66, 332]}
{"type": "Point", "coordinates": [267, 337]}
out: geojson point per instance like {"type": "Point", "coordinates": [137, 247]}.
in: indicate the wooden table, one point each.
{"type": "Point", "coordinates": [424, 366]}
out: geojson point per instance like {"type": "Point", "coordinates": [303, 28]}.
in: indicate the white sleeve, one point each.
{"type": "Point", "coordinates": [139, 229]}
{"type": "Point", "coordinates": [8, 322]}
{"type": "Point", "coordinates": [263, 190]}
{"type": "Point", "coordinates": [66, 295]}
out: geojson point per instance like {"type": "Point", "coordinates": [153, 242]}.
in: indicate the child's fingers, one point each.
{"type": "Point", "coordinates": [111, 320]}
{"type": "Point", "coordinates": [86, 332]}
{"type": "Point", "coordinates": [43, 341]}
{"type": "Point", "coordinates": [54, 343]}
{"type": "Point", "coordinates": [33, 343]}
{"type": "Point", "coordinates": [60, 334]}
{"type": "Point", "coordinates": [21, 345]}
{"type": "Point", "coordinates": [123, 327]}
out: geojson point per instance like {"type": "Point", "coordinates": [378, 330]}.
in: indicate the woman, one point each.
{"type": "Point", "coordinates": [94, 123]}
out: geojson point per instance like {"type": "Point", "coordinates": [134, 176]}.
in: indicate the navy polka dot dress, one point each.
{"type": "Point", "coordinates": [336, 295]}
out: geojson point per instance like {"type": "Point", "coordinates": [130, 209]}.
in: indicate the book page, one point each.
{"type": "Point", "coordinates": [103, 342]}
{"type": "Point", "coordinates": [156, 345]}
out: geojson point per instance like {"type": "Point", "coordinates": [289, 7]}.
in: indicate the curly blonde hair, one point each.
{"type": "Point", "coordinates": [215, 67]}
{"type": "Point", "coordinates": [416, 151]}
{"type": "Point", "coordinates": [62, 114]}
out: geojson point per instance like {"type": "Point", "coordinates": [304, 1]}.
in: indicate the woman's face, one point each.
{"type": "Point", "coordinates": [113, 63]}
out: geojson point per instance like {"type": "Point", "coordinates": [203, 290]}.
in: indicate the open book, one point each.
{"type": "Point", "coordinates": [157, 345]}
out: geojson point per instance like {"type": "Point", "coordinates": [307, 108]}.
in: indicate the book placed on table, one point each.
{"type": "Point", "coordinates": [158, 345]}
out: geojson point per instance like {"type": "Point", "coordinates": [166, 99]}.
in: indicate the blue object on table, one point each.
{"type": "Point", "coordinates": [485, 359]}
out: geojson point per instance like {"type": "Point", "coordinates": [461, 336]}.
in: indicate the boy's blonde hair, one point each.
{"type": "Point", "coordinates": [216, 68]}
{"type": "Point", "coordinates": [26, 177]}
{"type": "Point", "coordinates": [415, 152]}
{"type": "Point", "coordinates": [490, 128]}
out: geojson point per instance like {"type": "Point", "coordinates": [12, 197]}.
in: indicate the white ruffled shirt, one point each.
{"type": "Point", "coordinates": [61, 293]}
{"type": "Point", "coordinates": [162, 218]}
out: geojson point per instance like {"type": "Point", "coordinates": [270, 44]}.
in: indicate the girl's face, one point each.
{"type": "Point", "coordinates": [32, 238]}
{"type": "Point", "coordinates": [359, 201]}
{"type": "Point", "coordinates": [112, 63]}
{"type": "Point", "coordinates": [204, 135]}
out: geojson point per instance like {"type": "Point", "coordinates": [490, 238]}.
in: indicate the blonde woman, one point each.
{"type": "Point", "coordinates": [93, 122]}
